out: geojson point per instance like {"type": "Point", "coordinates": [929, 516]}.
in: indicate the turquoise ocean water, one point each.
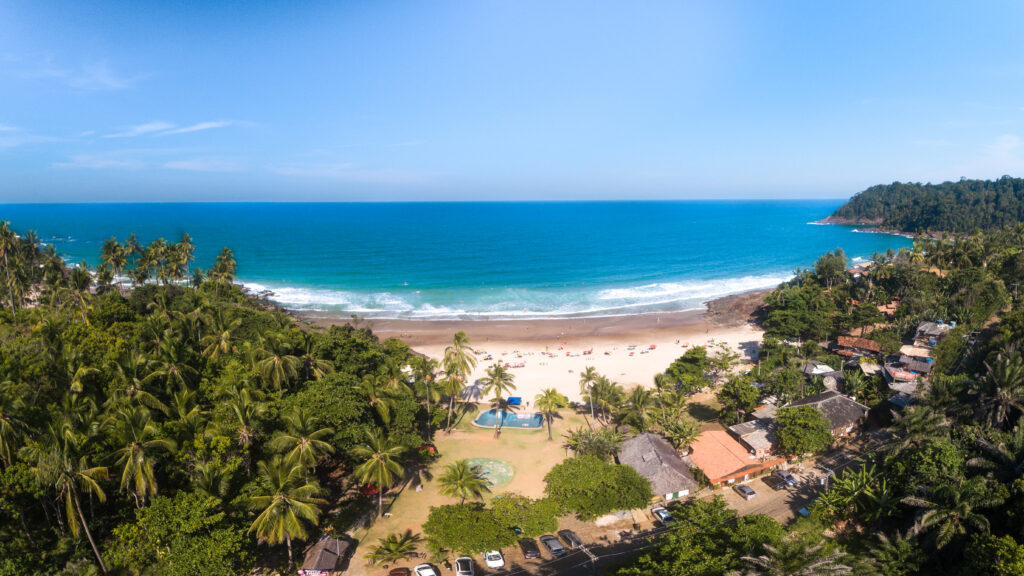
{"type": "Point", "coordinates": [478, 260]}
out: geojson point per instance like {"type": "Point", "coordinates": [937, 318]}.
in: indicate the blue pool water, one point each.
{"type": "Point", "coordinates": [510, 420]}
{"type": "Point", "coordinates": [500, 260]}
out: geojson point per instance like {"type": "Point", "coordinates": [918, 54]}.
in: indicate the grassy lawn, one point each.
{"type": "Point", "coordinates": [528, 451]}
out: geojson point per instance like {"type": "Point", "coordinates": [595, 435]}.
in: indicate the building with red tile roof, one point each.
{"type": "Point", "coordinates": [724, 460]}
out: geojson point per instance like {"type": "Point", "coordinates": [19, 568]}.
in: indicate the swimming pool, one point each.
{"type": "Point", "coordinates": [510, 420]}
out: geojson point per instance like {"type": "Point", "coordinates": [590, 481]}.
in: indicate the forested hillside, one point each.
{"type": "Point", "coordinates": [176, 426]}
{"type": "Point", "coordinates": [948, 207]}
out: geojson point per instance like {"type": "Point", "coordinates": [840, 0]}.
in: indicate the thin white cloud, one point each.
{"type": "Point", "coordinates": [95, 75]}
{"type": "Point", "coordinates": [101, 162]}
{"type": "Point", "coordinates": [197, 127]}
{"type": "Point", "coordinates": [6, 128]}
{"type": "Point", "coordinates": [203, 165]}
{"type": "Point", "coordinates": [141, 130]}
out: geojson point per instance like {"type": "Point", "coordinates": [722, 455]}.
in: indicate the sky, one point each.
{"type": "Point", "coordinates": [512, 100]}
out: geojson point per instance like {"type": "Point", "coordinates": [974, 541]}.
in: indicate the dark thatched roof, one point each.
{"type": "Point", "coordinates": [653, 458]}
{"type": "Point", "coordinates": [325, 555]}
{"type": "Point", "coordinates": [838, 409]}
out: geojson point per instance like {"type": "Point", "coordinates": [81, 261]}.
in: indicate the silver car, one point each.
{"type": "Point", "coordinates": [464, 566]}
{"type": "Point", "coordinates": [745, 491]}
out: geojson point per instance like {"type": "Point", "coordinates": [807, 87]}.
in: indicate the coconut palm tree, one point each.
{"type": "Point", "coordinates": [1005, 458]}
{"type": "Point", "coordinates": [1002, 390]}
{"type": "Point", "coordinates": [588, 378]}
{"type": "Point", "coordinates": [219, 340]}
{"type": "Point", "coordinates": [795, 556]}
{"type": "Point", "coordinates": [12, 427]}
{"type": "Point", "coordinates": [639, 404]}
{"type": "Point", "coordinates": [425, 373]}
{"type": "Point", "coordinates": [246, 412]}
{"type": "Point", "coordinates": [916, 424]}
{"type": "Point", "coordinates": [952, 509]}
{"type": "Point", "coordinates": [548, 402]}
{"type": "Point", "coordinates": [287, 502]}
{"type": "Point", "coordinates": [380, 465]}
{"type": "Point", "coordinates": [461, 481]}
{"type": "Point", "coordinates": [379, 395]}
{"type": "Point", "coordinates": [57, 461]}
{"type": "Point", "coordinates": [137, 441]}
{"type": "Point", "coordinates": [498, 381]}
{"type": "Point", "coordinates": [458, 362]}
{"type": "Point", "coordinates": [302, 439]}
{"type": "Point", "coordinates": [278, 366]}
{"type": "Point", "coordinates": [212, 478]}
{"type": "Point", "coordinates": [897, 555]}
{"type": "Point", "coordinates": [313, 368]}
{"type": "Point", "coordinates": [394, 548]}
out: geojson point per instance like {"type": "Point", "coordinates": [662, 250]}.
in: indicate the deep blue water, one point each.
{"type": "Point", "coordinates": [510, 419]}
{"type": "Point", "coordinates": [478, 260]}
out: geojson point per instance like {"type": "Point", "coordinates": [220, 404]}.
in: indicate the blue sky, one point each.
{"type": "Point", "coordinates": [157, 101]}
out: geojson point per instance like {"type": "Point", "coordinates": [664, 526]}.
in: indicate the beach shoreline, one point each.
{"type": "Point", "coordinates": [551, 353]}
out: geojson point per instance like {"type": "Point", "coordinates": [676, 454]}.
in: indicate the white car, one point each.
{"type": "Point", "coordinates": [425, 570]}
{"type": "Point", "coordinates": [494, 559]}
{"type": "Point", "coordinates": [663, 516]}
{"type": "Point", "coordinates": [464, 566]}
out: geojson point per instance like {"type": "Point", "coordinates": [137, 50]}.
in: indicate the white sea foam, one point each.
{"type": "Point", "coordinates": [519, 303]}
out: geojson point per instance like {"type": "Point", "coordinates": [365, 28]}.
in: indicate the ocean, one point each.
{"type": "Point", "coordinates": [478, 260]}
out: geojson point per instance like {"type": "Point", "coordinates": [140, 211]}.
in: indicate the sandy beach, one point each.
{"type": "Point", "coordinates": [541, 354]}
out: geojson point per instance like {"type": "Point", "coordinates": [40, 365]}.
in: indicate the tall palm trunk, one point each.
{"type": "Point", "coordinates": [380, 502]}
{"type": "Point", "coordinates": [288, 540]}
{"type": "Point", "coordinates": [548, 418]}
{"type": "Point", "coordinates": [88, 534]}
{"type": "Point", "coordinates": [429, 417]}
{"type": "Point", "coordinates": [497, 423]}
{"type": "Point", "coordinates": [591, 402]}
{"type": "Point", "coordinates": [451, 405]}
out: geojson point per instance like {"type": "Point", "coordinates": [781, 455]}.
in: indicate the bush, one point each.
{"type": "Point", "coordinates": [801, 429]}
{"type": "Point", "coordinates": [470, 528]}
{"type": "Point", "coordinates": [591, 487]}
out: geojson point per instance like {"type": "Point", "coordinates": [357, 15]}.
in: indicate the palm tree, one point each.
{"type": "Point", "coordinates": [1005, 458]}
{"type": "Point", "coordinates": [951, 510]}
{"type": "Point", "coordinates": [313, 368]}
{"type": "Point", "coordinates": [170, 367]}
{"type": "Point", "coordinates": [425, 371]}
{"type": "Point", "coordinates": [136, 436]}
{"type": "Point", "coordinates": [212, 478]}
{"type": "Point", "coordinates": [288, 501]}
{"type": "Point", "coordinates": [458, 362]}
{"type": "Point", "coordinates": [588, 378]}
{"type": "Point", "coordinates": [277, 366]}
{"type": "Point", "coordinates": [499, 381]}
{"type": "Point", "coordinates": [303, 440]}
{"type": "Point", "coordinates": [1003, 387]}
{"type": "Point", "coordinates": [219, 340]}
{"type": "Point", "coordinates": [638, 408]}
{"type": "Point", "coordinates": [186, 253]}
{"type": "Point", "coordinates": [796, 557]}
{"type": "Point", "coordinates": [394, 548]}
{"type": "Point", "coordinates": [461, 481]}
{"type": "Point", "coordinates": [8, 240]}
{"type": "Point", "coordinates": [548, 402]}
{"type": "Point", "coordinates": [916, 424]}
{"type": "Point", "coordinates": [246, 412]}
{"type": "Point", "coordinates": [453, 386]}
{"type": "Point", "coordinates": [380, 465]}
{"type": "Point", "coordinates": [897, 556]}
{"type": "Point", "coordinates": [57, 462]}
{"type": "Point", "coordinates": [379, 395]}
{"type": "Point", "coordinates": [11, 425]}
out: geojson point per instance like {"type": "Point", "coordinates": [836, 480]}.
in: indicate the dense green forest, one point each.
{"type": "Point", "coordinates": [940, 490]}
{"type": "Point", "coordinates": [181, 427]}
{"type": "Point", "coordinates": [948, 207]}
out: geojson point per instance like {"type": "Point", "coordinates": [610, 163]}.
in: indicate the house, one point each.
{"type": "Point", "coordinates": [829, 376]}
{"type": "Point", "coordinates": [929, 333]}
{"type": "Point", "coordinates": [889, 310]}
{"type": "Point", "coordinates": [756, 436]}
{"type": "Point", "coordinates": [920, 352]}
{"type": "Point", "coordinates": [870, 368]}
{"type": "Point", "coordinates": [723, 460]}
{"type": "Point", "coordinates": [767, 411]}
{"type": "Point", "coordinates": [655, 459]}
{"type": "Point", "coordinates": [916, 365]}
{"type": "Point", "coordinates": [325, 557]}
{"type": "Point", "coordinates": [843, 413]}
{"type": "Point", "coordinates": [856, 347]}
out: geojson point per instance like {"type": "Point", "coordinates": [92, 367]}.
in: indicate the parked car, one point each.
{"type": "Point", "coordinates": [786, 477]}
{"type": "Point", "coordinates": [425, 570]}
{"type": "Point", "coordinates": [529, 548]}
{"type": "Point", "coordinates": [572, 541]}
{"type": "Point", "coordinates": [399, 572]}
{"type": "Point", "coordinates": [464, 566]}
{"type": "Point", "coordinates": [494, 559]}
{"type": "Point", "coordinates": [553, 545]}
{"type": "Point", "coordinates": [663, 515]}
{"type": "Point", "coordinates": [745, 491]}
